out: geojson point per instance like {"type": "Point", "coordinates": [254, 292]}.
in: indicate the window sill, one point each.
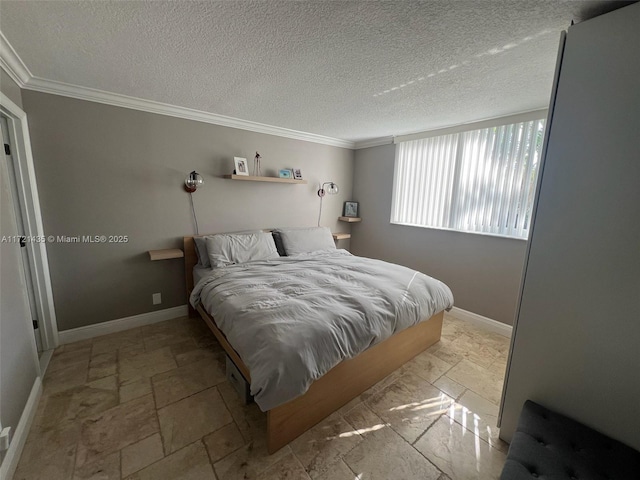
{"type": "Point", "coordinates": [461, 231]}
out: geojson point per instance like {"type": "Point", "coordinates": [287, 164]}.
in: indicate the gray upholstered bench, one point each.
{"type": "Point", "coordinates": [550, 446]}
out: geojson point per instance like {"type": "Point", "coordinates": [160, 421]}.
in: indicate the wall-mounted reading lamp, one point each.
{"type": "Point", "coordinates": [191, 184]}
{"type": "Point", "coordinates": [193, 181]}
{"type": "Point", "coordinates": [332, 189]}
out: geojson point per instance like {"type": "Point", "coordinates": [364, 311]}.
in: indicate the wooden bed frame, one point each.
{"type": "Point", "coordinates": [341, 384]}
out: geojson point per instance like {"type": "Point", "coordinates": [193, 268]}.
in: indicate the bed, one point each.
{"type": "Point", "coordinates": [301, 389]}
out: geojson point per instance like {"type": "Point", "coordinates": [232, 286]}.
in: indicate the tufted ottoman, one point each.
{"type": "Point", "coordinates": [550, 446]}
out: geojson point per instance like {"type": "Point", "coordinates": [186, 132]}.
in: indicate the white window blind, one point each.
{"type": "Point", "coordinates": [479, 181]}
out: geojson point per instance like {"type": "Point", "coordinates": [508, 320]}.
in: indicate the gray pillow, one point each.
{"type": "Point", "coordinates": [305, 240]}
{"type": "Point", "coordinates": [230, 249]}
{"type": "Point", "coordinates": [201, 247]}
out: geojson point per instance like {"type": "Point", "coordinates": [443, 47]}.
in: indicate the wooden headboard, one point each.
{"type": "Point", "coordinates": [190, 261]}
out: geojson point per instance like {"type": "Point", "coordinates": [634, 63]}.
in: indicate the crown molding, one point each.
{"type": "Point", "coordinates": [373, 142]}
{"type": "Point", "coordinates": [19, 73]}
{"type": "Point", "coordinates": [151, 106]}
{"type": "Point", "coordinates": [12, 63]}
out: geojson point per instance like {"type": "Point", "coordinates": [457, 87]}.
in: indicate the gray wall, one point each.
{"type": "Point", "coordinates": [18, 365]}
{"type": "Point", "coordinates": [483, 272]}
{"type": "Point", "coordinates": [106, 170]}
{"type": "Point", "coordinates": [575, 347]}
{"type": "Point", "coordinates": [10, 88]}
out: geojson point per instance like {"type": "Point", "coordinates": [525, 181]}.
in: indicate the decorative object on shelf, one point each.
{"type": "Point", "coordinates": [350, 219]}
{"type": "Point", "coordinates": [257, 171]}
{"type": "Point", "coordinates": [284, 173]}
{"type": "Point", "coordinates": [350, 209]}
{"type": "Point", "coordinates": [297, 174]}
{"type": "Point", "coordinates": [193, 181]}
{"type": "Point", "coordinates": [241, 166]}
{"type": "Point", "coordinates": [332, 189]}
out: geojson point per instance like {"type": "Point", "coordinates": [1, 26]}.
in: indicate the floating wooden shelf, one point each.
{"type": "Point", "coordinates": [251, 178]}
{"type": "Point", "coordinates": [166, 254]}
{"type": "Point", "coordinates": [341, 236]}
{"type": "Point", "coordinates": [350, 219]}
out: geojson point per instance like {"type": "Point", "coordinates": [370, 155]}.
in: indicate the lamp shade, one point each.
{"type": "Point", "coordinates": [193, 181]}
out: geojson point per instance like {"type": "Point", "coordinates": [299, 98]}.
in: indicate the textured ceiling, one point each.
{"type": "Point", "coordinates": [346, 69]}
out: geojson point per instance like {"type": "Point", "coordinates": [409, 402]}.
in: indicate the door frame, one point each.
{"type": "Point", "coordinates": [32, 217]}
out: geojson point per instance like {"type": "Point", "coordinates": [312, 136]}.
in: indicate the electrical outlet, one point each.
{"type": "Point", "coordinates": [157, 298]}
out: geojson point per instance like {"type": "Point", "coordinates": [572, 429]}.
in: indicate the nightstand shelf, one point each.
{"type": "Point", "coordinates": [341, 236]}
{"type": "Point", "coordinates": [350, 219]}
{"type": "Point", "coordinates": [251, 178]}
{"type": "Point", "coordinates": [166, 254]}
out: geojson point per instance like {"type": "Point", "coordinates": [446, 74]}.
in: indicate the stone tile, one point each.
{"type": "Point", "coordinates": [182, 382]}
{"type": "Point", "coordinates": [103, 365]}
{"type": "Point", "coordinates": [141, 454]}
{"type": "Point", "coordinates": [77, 403]}
{"type": "Point", "coordinates": [69, 357]}
{"type": "Point", "coordinates": [459, 453]}
{"type": "Point", "coordinates": [479, 416]}
{"type": "Point", "coordinates": [49, 454]}
{"type": "Point", "coordinates": [118, 341]}
{"type": "Point", "coordinates": [199, 353]}
{"type": "Point", "coordinates": [251, 421]}
{"type": "Point", "coordinates": [190, 419]}
{"type": "Point", "coordinates": [410, 405]}
{"type": "Point", "coordinates": [287, 467]}
{"type": "Point", "coordinates": [166, 333]}
{"type": "Point", "coordinates": [132, 368]}
{"type": "Point", "coordinates": [223, 441]}
{"type": "Point", "coordinates": [116, 428]}
{"type": "Point", "coordinates": [364, 421]}
{"type": "Point", "coordinates": [135, 389]}
{"type": "Point", "coordinates": [448, 386]}
{"type": "Point", "coordinates": [323, 445]}
{"type": "Point", "coordinates": [65, 378]}
{"type": "Point", "coordinates": [107, 468]}
{"type": "Point", "coordinates": [384, 455]}
{"type": "Point", "coordinates": [473, 348]}
{"type": "Point", "coordinates": [249, 462]}
{"type": "Point", "coordinates": [338, 471]}
{"type": "Point", "coordinates": [481, 380]}
{"type": "Point", "coordinates": [427, 366]}
{"type": "Point", "coordinates": [189, 463]}
{"type": "Point", "coordinates": [499, 367]}
{"type": "Point", "coordinates": [72, 347]}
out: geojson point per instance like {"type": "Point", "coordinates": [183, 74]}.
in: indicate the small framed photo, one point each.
{"type": "Point", "coordinates": [284, 173]}
{"type": "Point", "coordinates": [350, 209]}
{"type": "Point", "coordinates": [241, 166]}
{"type": "Point", "coordinates": [297, 174]}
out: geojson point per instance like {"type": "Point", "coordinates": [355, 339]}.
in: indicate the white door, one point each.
{"type": "Point", "coordinates": [17, 207]}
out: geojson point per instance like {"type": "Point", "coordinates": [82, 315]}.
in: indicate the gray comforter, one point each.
{"type": "Point", "coordinates": [293, 319]}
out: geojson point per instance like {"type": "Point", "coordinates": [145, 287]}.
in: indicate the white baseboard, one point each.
{"type": "Point", "coordinates": [90, 331]}
{"type": "Point", "coordinates": [10, 461]}
{"type": "Point", "coordinates": [482, 322]}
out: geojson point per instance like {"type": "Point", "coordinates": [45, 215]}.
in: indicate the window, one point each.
{"type": "Point", "coordinates": [480, 181]}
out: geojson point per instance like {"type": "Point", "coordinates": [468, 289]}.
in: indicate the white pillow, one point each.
{"type": "Point", "coordinates": [229, 249]}
{"type": "Point", "coordinates": [303, 240]}
{"type": "Point", "coordinates": [201, 247]}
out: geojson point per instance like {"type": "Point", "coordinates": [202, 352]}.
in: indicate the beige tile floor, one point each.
{"type": "Point", "coordinates": [153, 403]}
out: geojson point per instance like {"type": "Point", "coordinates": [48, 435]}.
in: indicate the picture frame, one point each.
{"type": "Point", "coordinates": [350, 209]}
{"type": "Point", "coordinates": [242, 168]}
{"type": "Point", "coordinates": [285, 173]}
{"type": "Point", "coordinates": [297, 174]}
